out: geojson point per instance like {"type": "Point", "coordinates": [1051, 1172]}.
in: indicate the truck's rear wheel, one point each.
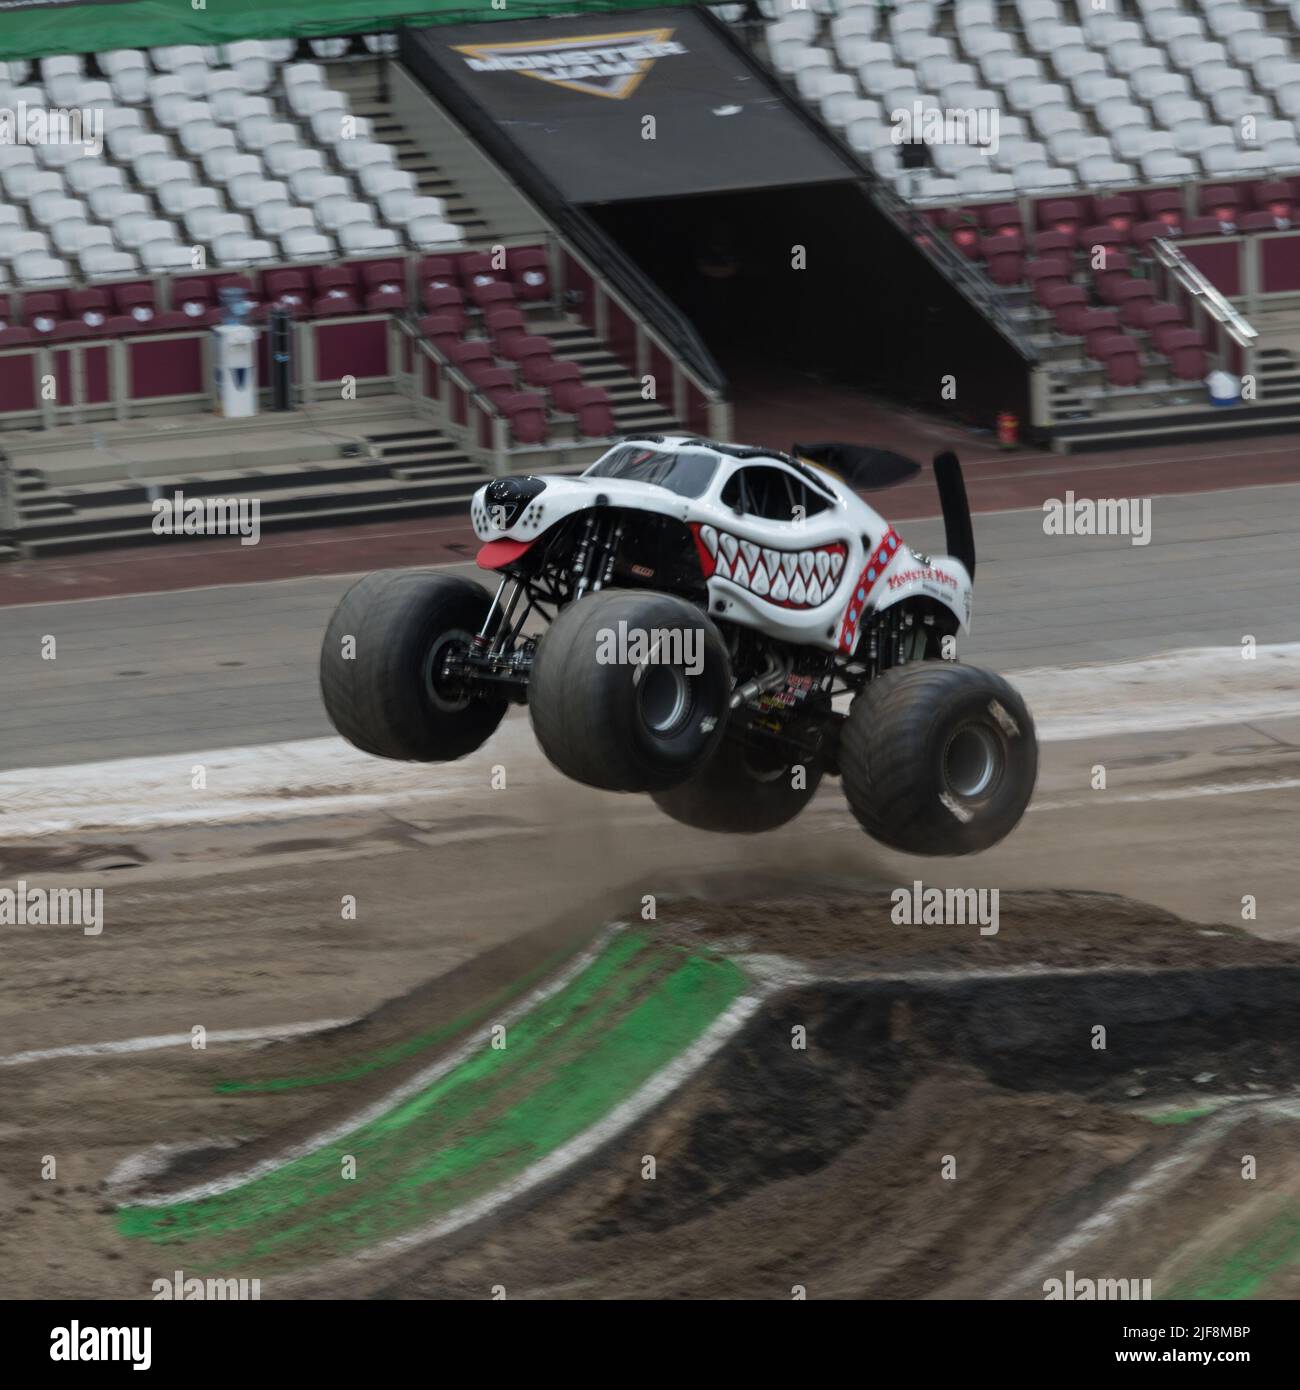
{"type": "Point", "coordinates": [381, 667]}
{"type": "Point", "coordinates": [742, 790]}
{"type": "Point", "coordinates": [630, 691]}
{"type": "Point", "coordinates": [938, 758]}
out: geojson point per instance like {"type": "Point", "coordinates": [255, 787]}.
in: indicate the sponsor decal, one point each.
{"type": "Point", "coordinates": [600, 65]}
{"type": "Point", "coordinates": [929, 574]}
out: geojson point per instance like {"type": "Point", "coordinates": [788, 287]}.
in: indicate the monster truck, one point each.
{"type": "Point", "coordinates": [716, 625]}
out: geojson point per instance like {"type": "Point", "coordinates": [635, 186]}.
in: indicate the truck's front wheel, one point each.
{"type": "Point", "coordinates": [382, 667]}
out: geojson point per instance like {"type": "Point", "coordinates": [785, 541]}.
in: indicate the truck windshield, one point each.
{"type": "Point", "coordinates": [686, 473]}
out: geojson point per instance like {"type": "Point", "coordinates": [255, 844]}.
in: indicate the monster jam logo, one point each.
{"type": "Point", "coordinates": [601, 65]}
{"type": "Point", "coordinates": [935, 576]}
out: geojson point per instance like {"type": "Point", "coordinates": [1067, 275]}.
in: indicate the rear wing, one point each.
{"type": "Point", "coordinates": [958, 532]}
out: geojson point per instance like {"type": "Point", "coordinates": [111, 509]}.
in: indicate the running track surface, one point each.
{"type": "Point", "coordinates": [996, 481]}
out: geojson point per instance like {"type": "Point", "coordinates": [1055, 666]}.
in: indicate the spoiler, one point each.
{"type": "Point", "coordinates": [958, 532]}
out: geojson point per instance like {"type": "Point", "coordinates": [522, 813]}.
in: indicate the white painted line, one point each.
{"type": "Point", "coordinates": [161, 1040]}
{"type": "Point", "coordinates": [1101, 799]}
{"type": "Point", "coordinates": [1185, 689]}
{"type": "Point", "coordinates": [1157, 1179]}
{"type": "Point", "coordinates": [412, 1086]}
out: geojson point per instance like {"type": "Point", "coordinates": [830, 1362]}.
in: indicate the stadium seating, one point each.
{"type": "Point", "coordinates": [1173, 91]}
{"type": "Point", "coordinates": [225, 158]}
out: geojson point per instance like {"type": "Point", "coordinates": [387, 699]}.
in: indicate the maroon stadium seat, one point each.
{"type": "Point", "coordinates": [1118, 353]}
{"type": "Point", "coordinates": [966, 238]}
{"type": "Point", "coordinates": [437, 273]}
{"type": "Point", "coordinates": [1265, 222]}
{"type": "Point", "coordinates": [1209, 226]}
{"type": "Point", "coordinates": [1005, 258]}
{"type": "Point", "coordinates": [90, 307]}
{"type": "Point", "coordinates": [1160, 333]}
{"type": "Point", "coordinates": [1054, 243]}
{"type": "Point", "coordinates": [477, 269]}
{"type": "Point", "coordinates": [1067, 305]}
{"type": "Point", "coordinates": [1064, 215]}
{"type": "Point", "coordinates": [526, 412]}
{"type": "Point", "coordinates": [595, 414]}
{"type": "Point", "coordinates": [291, 288]}
{"type": "Point", "coordinates": [505, 322]}
{"type": "Point", "coordinates": [71, 328]}
{"type": "Point", "coordinates": [1183, 348]}
{"type": "Point", "coordinates": [386, 299]}
{"type": "Point", "coordinates": [1163, 204]}
{"type": "Point", "coordinates": [1046, 273]}
{"type": "Point", "coordinates": [194, 298]}
{"type": "Point", "coordinates": [493, 382]}
{"type": "Point", "coordinates": [493, 294]}
{"type": "Point", "coordinates": [1120, 211]}
{"type": "Point", "coordinates": [442, 330]}
{"type": "Point", "coordinates": [446, 301]}
{"type": "Point", "coordinates": [1222, 200]}
{"type": "Point", "coordinates": [1117, 269]}
{"type": "Point", "coordinates": [1001, 219]}
{"type": "Point", "coordinates": [42, 312]}
{"type": "Point", "coordinates": [335, 302]}
{"type": "Point", "coordinates": [16, 336]}
{"type": "Point", "coordinates": [1110, 238]}
{"type": "Point", "coordinates": [518, 347]}
{"type": "Point", "coordinates": [1128, 296]}
{"type": "Point", "coordinates": [333, 277]}
{"type": "Point", "coordinates": [1095, 326]}
{"type": "Point", "coordinates": [476, 350]}
{"type": "Point", "coordinates": [1277, 198]}
{"type": "Point", "coordinates": [561, 380]}
{"type": "Point", "coordinates": [530, 272]}
{"type": "Point", "coordinates": [1147, 232]}
{"type": "Point", "coordinates": [383, 286]}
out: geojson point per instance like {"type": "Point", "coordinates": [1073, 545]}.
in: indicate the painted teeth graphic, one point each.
{"type": "Point", "coordinates": [792, 578]}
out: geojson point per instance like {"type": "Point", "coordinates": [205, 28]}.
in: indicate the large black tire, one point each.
{"type": "Point", "coordinates": [741, 790]}
{"type": "Point", "coordinates": [938, 758]}
{"type": "Point", "coordinates": [620, 726]}
{"type": "Point", "coordinates": [387, 699]}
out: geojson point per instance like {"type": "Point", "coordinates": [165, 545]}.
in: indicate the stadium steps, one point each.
{"type": "Point", "coordinates": [575, 343]}
{"type": "Point", "coordinates": [361, 82]}
{"type": "Point", "coordinates": [407, 474]}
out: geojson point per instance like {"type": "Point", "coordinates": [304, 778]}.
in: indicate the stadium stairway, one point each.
{"type": "Point", "coordinates": [360, 80]}
{"type": "Point", "coordinates": [400, 468]}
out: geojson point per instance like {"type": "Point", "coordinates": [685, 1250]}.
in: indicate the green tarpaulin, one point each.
{"type": "Point", "coordinates": [36, 28]}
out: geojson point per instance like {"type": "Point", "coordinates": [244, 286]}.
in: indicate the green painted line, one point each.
{"type": "Point", "coordinates": [1245, 1270]}
{"type": "Point", "coordinates": [566, 1064]}
{"type": "Point", "coordinates": [402, 1051]}
{"type": "Point", "coordinates": [1182, 1117]}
